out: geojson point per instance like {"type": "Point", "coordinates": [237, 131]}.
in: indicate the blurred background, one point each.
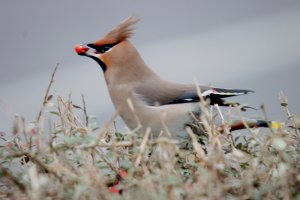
{"type": "Point", "coordinates": [239, 44]}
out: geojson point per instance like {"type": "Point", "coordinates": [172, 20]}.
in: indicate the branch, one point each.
{"type": "Point", "coordinates": [47, 92]}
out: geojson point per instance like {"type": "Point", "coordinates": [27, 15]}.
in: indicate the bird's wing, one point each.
{"type": "Point", "coordinates": [170, 93]}
{"type": "Point", "coordinates": [215, 95]}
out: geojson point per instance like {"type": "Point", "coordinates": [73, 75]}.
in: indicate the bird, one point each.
{"type": "Point", "coordinates": [144, 100]}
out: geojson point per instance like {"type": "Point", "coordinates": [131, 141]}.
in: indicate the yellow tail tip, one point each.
{"type": "Point", "coordinates": [276, 125]}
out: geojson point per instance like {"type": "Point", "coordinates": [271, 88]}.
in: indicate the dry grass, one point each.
{"type": "Point", "coordinates": [64, 156]}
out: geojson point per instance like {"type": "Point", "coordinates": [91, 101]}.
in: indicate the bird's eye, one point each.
{"type": "Point", "coordinates": [104, 49]}
{"type": "Point", "coordinates": [101, 49]}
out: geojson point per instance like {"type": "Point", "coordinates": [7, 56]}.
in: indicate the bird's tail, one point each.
{"type": "Point", "coordinates": [250, 123]}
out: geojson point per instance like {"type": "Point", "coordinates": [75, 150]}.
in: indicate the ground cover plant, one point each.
{"type": "Point", "coordinates": [64, 154]}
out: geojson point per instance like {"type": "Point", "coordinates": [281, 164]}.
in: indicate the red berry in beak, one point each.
{"type": "Point", "coordinates": [80, 49]}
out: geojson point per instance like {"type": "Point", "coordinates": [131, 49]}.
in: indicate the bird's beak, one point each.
{"type": "Point", "coordinates": [85, 50]}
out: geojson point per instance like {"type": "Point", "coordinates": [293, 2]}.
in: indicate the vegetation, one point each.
{"type": "Point", "coordinates": [64, 155]}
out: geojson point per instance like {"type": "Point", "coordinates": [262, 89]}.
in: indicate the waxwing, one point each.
{"type": "Point", "coordinates": [142, 98]}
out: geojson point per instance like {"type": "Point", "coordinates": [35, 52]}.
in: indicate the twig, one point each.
{"type": "Point", "coordinates": [266, 117]}
{"type": "Point", "coordinates": [110, 165]}
{"type": "Point", "coordinates": [198, 89]}
{"type": "Point", "coordinates": [219, 112]}
{"type": "Point", "coordinates": [84, 111]}
{"type": "Point", "coordinates": [205, 116]}
{"type": "Point", "coordinates": [224, 127]}
{"type": "Point", "coordinates": [8, 175]}
{"type": "Point", "coordinates": [23, 130]}
{"type": "Point", "coordinates": [36, 161]}
{"type": "Point", "coordinates": [243, 120]}
{"type": "Point", "coordinates": [72, 118]}
{"type": "Point", "coordinates": [284, 103]}
{"type": "Point", "coordinates": [117, 144]}
{"type": "Point", "coordinates": [47, 92]}
{"type": "Point", "coordinates": [142, 147]}
{"type": "Point", "coordinates": [197, 147]}
{"type": "Point", "coordinates": [132, 108]}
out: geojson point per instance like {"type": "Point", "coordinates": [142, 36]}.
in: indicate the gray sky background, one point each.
{"type": "Point", "coordinates": [242, 44]}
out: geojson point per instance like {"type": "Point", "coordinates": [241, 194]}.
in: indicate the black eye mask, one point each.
{"type": "Point", "coordinates": [101, 49]}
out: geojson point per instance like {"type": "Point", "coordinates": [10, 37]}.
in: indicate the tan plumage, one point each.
{"type": "Point", "coordinates": [141, 97]}
{"type": "Point", "coordinates": [121, 32]}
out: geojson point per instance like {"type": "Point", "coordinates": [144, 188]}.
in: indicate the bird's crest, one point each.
{"type": "Point", "coordinates": [120, 32]}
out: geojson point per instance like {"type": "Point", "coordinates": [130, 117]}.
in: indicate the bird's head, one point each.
{"type": "Point", "coordinates": [113, 48]}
